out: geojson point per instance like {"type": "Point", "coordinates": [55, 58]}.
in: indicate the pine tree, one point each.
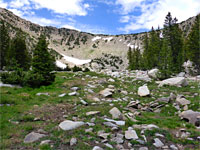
{"type": "Point", "coordinates": [154, 48]}
{"type": "Point", "coordinates": [129, 57]}
{"type": "Point", "coordinates": [173, 34]}
{"type": "Point", "coordinates": [145, 52]}
{"type": "Point", "coordinates": [18, 53]}
{"type": "Point", "coordinates": [135, 58]}
{"type": "Point", "coordinates": [4, 44]}
{"type": "Point", "coordinates": [43, 63]}
{"type": "Point", "coordinates": [165, 61]}
{"type": "Point", "coordinates": [193, 44]}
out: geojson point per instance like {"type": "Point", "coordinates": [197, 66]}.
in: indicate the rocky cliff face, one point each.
{"type": "Point", "coordinates": [77, 44]}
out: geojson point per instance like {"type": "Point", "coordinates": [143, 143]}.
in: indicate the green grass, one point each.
{"type": "Point", "coordinates": [17, 120]}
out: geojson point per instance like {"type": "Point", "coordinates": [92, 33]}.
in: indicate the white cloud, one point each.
{"type": "Point", "coordinates": [43, 21]}
{"type": "Point", "coordinates": [17, 12]}
{"type": "Point", "coordinates": [18, 3]}
{"type": "Point", "coordinates": [154, 14]}
{"type": "Point", "coordinates": [70, 27]}
{"type": "Point", "coordinates": [69, 7]}
{"type": "Point", "coordinates": [128, 5]}
{"type": "Point", "coordinates": [3, 4]}
{"type": "Point", "coordinates": [124, 19]}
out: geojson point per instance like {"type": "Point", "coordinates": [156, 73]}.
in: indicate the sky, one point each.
{"type": "Point", "coordinates": [102, 16]}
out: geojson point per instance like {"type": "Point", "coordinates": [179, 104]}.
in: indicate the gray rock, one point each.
{"type": "Point", "coordinates": [159, 135]}
{"type": "Point", "coordinates": [97, 148]}
{"type": "Point", "coordinates": [111, 80]}
{"type": "Point", "coordinates": [102, 134]}
{"type": "Point", "coordinates": [164, 99]}
{"type": "Point", "coordinates": [92, 113]}
{"type": "Point", "coordinates": [173, 147]}
{"type": "Point", "coordinates": [118, 139]}
{"type": "Point", "coordinates": [96, 99]}
{"type": "Point", "coordinates": [120, 123]}
{"type": "Point", "coordinates": [106, 92]}
{"type": "Point", "coordinates": [84, 102]}
{"type": "Point", "coordinates": [124, 92]}
{"type": "Point", "coordinates": [134, 104]}
{"type": "Point", "coordinates": [88, 130]}
{"type": "Point", "coordinates": [144, 78]}
{"type": "Point", "coordinates": [191, 116]}
{"type": "Point", "coordinates": [90, 91]}
{"type": "Point", "coordinates": [109, 124]}
{"type": "Point", "coordinates": [172, 96]}
{"type": "Point", "coordinates": [120, 147]}
{"type": "Point", "coordinates": [143, 148]}
{"type": "Point", "coordinates": [32, 137]}
{"type": "Point", "coordinates": [158, 143]}
{"type": "Point", "coordinates": [153, 73]}
{"type": "Point", "coordinates": [180, 99]}
{"type": "Point", "coordinates": [9, 85]}
{"type": "Point", "coordinates": [111, 86]}
{"type": "Point", "coordinates": [131, 134]}
{"type": "Point", "coordinates": [73, 141]}
{"type": "Point", "coordinates": [181, 74]}
{"type": "Point", "coordinates": [108, 145]}
{"type": "Point", "coordinates": [62, 95]}
{"type": "Point", "coordinates": [38, 94]}
{"type": "Point", "coordinates": [115, 74]}
{"type": "Point", "coordinates": [45, 142]}
{"type": "Point", "coordinates": [73, 94]}
{"type": "Point", "coordinates": [143, 91]}
{"type": "Point", "coordinates": [115, 112]}
{"type": "Point", "coordinates": [75, 88]}
{"type": "Point", "coordinates": [177, 81]}
{"type": "Point", "coordinates": [69, 125]}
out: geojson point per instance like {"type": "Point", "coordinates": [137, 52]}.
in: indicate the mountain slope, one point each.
{"type": "Point", "coordinates": [67, 42]}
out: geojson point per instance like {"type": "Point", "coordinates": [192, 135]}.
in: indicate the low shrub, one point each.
{"type": "Point", "coordinates": [14, 77]}
{"type": "Point", "coordinates": [76, 69]}
{"type": "Point", "coordinates": [29, 78]}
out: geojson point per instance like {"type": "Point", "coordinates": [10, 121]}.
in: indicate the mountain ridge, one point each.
{"type": "Point", "coordinates": [81, 45]}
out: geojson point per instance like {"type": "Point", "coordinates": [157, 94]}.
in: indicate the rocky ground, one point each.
{"type": "Point", "coordinates": [108, 110]}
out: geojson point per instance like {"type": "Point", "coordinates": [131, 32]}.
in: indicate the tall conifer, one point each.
{"type": "Point", "coordinates": [193, 44]}
{"type": "Point", "coordinates": [4, 44]}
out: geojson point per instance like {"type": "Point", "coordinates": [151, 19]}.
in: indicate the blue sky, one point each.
{"type": "Point", "coordinates": [102, 16]}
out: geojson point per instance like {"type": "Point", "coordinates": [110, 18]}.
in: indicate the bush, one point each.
{"type": "Point", "coordinates": [29, 79]}
{"type": "Point", "coordinates": [15, 77]}
{"type": "Point", "coordinates": [33, 80]}
{"type": "Point", "coordinates": [163, 74]}
{"type": "Point", "coordinates": [76, 69]}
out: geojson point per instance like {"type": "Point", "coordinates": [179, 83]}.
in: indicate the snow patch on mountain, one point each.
{"type": "Point", "coordinates": [131, 46]}
{"type": "Point", "coordinates": [108, 39]}
{"type": "Point", "coordinates": [60, 64]}
{"type": "Point", "coordinates": [75, 61]}
{"type": "Point", "coordinates": [96, 38]}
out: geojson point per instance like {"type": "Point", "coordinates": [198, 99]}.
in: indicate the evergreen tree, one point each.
{"type": "Point", "coordinates": [77, 41]}
{"type": "Point", "coordinates": [152, 46]}
{"type": "Point", "coordinates": [173, 34]}
{"type": "Point", "coordinates": [193, 44]}
{"type": "Point", "coordinates": [145, 52]}
{"type": "Point", "coordinates": [43, 63]}
{"type": "Point", "coordinates": [135, 58]}
{"type": "Point", "coordinates": [18, 53]}
{"type": "Point", "coordinates": [4, 44]}
{"type": "Point", "coordinates": [154, 49]}
{"type": "Point", "coordinates": [165, 62]}
{"type": "Point", "coordinates": [129, 56]}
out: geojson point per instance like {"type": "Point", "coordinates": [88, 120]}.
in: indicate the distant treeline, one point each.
{"type": "Point", "coordinates": [167, 49]}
